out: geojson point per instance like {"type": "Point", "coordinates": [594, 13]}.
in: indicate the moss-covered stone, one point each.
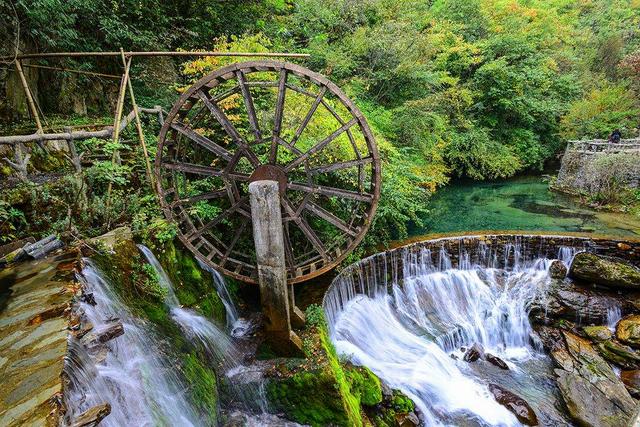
{"type": "Point", "coordinates": [203, 386]}
{"type": "Point", "coordinates": [605, 271]}
{"type": "Point", "coordinates": [385, 414]}
{"type": "Point", "coordinates": [321, 390]}
{"type": "Point", "coordinates": [192, 285]}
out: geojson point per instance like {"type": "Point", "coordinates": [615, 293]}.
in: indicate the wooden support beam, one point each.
{"type": "Point", "coordinates": [139, 127]}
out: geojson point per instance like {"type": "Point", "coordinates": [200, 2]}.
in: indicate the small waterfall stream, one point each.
{"type": "Point", "coordinates": [409, 329]}
{"type": "Point", "coordinates": [133, 374]}
{"type": "Point", "coordinates": [245, 384]}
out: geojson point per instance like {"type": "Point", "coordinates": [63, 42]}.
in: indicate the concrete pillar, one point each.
{"type": "Point", "coordinates": [272, 272]}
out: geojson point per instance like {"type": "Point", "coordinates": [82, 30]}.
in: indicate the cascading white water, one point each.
{"type": "Point", "coordinates": [141, 385]}
{"type": "Point", "coordinates": [223, 293]}
{"type": "Point", "coordinates": [406, 329]}
{"type": "Point", "coordinates": [214, 340]}
{"type": "Point", "coordinates": [246, 389]}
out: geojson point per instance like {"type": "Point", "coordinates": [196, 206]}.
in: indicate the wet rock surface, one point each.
{"type": "Point", "coordinates": [496, 361]}
{"type": "Point", "coordinates": [605, 271]}
{"type": "Point", "coordinates": [515, 404]}
{"type": "Point", "coordinates": [33, 339]}
{"type": "Point", "coordinates": [474, 353]}
{"type": "Point", "coordinates": [571, 301]}
{"type": "Point", "coordinates": [557, 269]}
{"type": "Point", "coordinates": [628, 330]}
{"type": "Point", "coordinates": [592, 392]}
{"type": "Point", "coordinates": [631, 380]}
{"type": "Point", "coordinates": [92, 416]}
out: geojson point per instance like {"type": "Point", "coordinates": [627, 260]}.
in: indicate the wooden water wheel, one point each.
{"type": "Point", "coordinates": [268, 120]}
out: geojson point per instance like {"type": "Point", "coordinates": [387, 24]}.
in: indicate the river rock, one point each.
{"type": "Point", "coordinates": [495, 360]}
{"type": "Point", "coordinates": [407, 420]}
{"type": "Point", "coordinates": [598, 333]}
{"type": "Point", "coordinates": [92, 416]}
{"type": "Point", "coordinates": [628, 330]}
{"type": "Point", "coordinates": [631, 380]}
{"type": "Point", "coordinates": [621, 355]}
{"type": "Point", "coordinates": [566, 300]}
{"type": "Point", "coordinates": [106, 334]}
{"type": "Point", "coordinates": [515, 404]}
{"type": "Point", "coordinates": [557, 269]}
{"type": "Point", "coordinates": [605, 271]}
{"type": "Point", "coordinates": [474, 353]}
{"type": "Point", "coordinates": [592, 392]}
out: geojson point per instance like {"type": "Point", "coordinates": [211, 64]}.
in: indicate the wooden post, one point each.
{"type": "Point", "coordinates": [30, 101]}
{"type": "Point", "coordinates": [139, 127]}
{"type": "Point", "coordinates": [272, 273]}
{"type": "Point", "coordinates": [116, 125]}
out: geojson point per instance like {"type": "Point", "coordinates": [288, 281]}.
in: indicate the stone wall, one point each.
{"type": "Point", "coordinates": [580, 173]}
{"type": "Point", "coordinates": [378, 271]}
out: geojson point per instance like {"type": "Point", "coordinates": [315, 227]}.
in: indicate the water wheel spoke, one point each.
{"type": "Point", "coordinates": [309, 115]}
{"type": "Point", "coordinates": [330, 218]}
{"type": "Point", "coordinates": [320, 145]}
{"type": "Point", "coordinates": [288, 248]}
{"type": "Point", "coordinates": [341, 165]}
{"type": "Point", "coordinates": [277, 125]}
{"type": "Point", "coordinates": [235, 239]}
{"type": "Point", "coordinates": [229, 128]}
{"type": "Point", "coordinates": [248, 103]}
{"type": "Point", "coordinates": [197, 233]}
{"type": "Point", "coordinates": [289, 146]}
{"type": "Point", "coordinates": [202, 140]}
{"type": "Point", "coordinates": [304, 226]}
{"type": "Point", "coordinates": [204, 196]}
{"type": "Point", "coordinates": [330, 191]}
{"type": "Point", "coordinates": [193, 168]}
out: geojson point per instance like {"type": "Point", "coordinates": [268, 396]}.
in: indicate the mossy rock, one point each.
{"type": "Point", "coordinates": [364, 384]}
{"type": "Point", "coordinates": [609, 272]}
{"type": "Point", "coordinates": [628, 330]}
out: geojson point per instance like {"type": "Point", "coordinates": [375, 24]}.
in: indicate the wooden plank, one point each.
{"type": "Point", "coordinates": [341, 165]}
{"type": "Point", "coordinates": [309, 115]}
{"type": "Point", "coordinates": [331, 218]}
{"type": "Point", "coordinates": [248, 103]}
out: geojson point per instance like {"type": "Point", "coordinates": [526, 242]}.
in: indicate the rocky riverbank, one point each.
{"type": "Point", "coordinates": [589, 324]}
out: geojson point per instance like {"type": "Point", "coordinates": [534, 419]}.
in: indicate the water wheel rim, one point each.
{"type": "Point", "coordinates": [234, 71]}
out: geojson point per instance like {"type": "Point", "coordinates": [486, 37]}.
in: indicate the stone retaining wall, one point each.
{"type": "Point", "coordinates": [377, 272]}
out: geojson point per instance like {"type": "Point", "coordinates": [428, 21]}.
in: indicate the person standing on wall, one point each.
{"type": "Point", "coordinates": [615, 136]}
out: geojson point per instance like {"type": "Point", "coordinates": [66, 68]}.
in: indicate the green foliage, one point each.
{"type": "Point", "coordinates": [314, 316]}
{"type": "Point", "coordinates": [600, 111]}
{"type": "Point", "coordinates": [364, 384]}
{"type": "Point", "coordinates": [11, 219]}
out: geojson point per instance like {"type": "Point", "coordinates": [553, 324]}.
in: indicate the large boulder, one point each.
{"type": "Point", "coordinates": [566, 300]}
{"type": "Point", "coordinates": [619, 354]}
{"type": "Point", "coordinates": [628, 330]}
{"type": "Point", "coordinates": [474, 353]}
{"type": "Point", "coordinates": [609, 272]}
{"type": "Point", "coordinates": [592, 392]}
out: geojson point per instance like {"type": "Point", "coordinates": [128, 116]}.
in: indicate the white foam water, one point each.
{"type": "Point", "coordinates": [135, 377]}
{"type": "Point", "coordinates": [406, 326]}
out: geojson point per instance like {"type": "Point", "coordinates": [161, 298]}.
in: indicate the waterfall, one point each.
{"type": "Point", "coordinates": [223, 293]}
{"type": "Point", "coordinates": [216, 343]}
{"type": "Point", "coordinates": [245, 384]}
{"type": "Point", "coordinates": [409, 330]}
{"type": "Point", "coordinates": [133, 375]}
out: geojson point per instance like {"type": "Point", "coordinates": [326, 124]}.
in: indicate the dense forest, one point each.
{"type": "Point", "coordinates": [483, 89]}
